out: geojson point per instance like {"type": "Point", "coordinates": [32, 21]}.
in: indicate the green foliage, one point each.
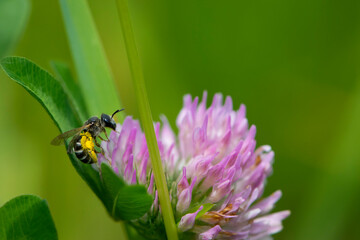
{"type": "Point", "coordinates": [124, 202]}
{"type": "Point", "coordinates": [13, 18]}
{"type": "Point", "coordinates": [26, 217]}
{"type": "Point", "coordinates": [71, 88]}
{"type": "Point", "coordinates": [41, 85]}
{"type": "Point", "coordinates": [131, 202]}
{"type": "Point", "coordinates": [111, 181]}
{"type": "Point", "coordinates": [295, 74]}
{"type": "Point", "coordinates": [146, 118]}
{"type": "Point", "coordinates": [49, 92]}
{"type": "Point", "coordinates": [91, 64]}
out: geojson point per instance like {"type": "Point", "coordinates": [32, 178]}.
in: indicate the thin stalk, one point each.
{"type": "Point", "coordinates": [146, 119]}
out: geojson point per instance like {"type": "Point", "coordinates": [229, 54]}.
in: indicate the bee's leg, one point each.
{"type": "Point", "coordinates": [104, 139]}
{"type": "Point", "coordinates": [69, 150]}
{"type": "Point", "coordinates": [97, 144]}
{"type": "Point", "coordinates": [103, 153]}
{"type": "Point", "coordinates": [101, 138]}
{"type": "Point", "coordinates": [102, 150]}
{"type": "Point", "coordinates": [107, 137]}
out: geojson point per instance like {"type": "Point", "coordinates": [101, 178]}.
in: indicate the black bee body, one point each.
{"type": "Point", "coordinates": [84, 140]}
{"type": "Point", "coordinates": [82, 153]}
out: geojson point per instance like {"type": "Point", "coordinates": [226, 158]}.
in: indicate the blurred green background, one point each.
{"type": "Point", "coordinates": [295, 64]}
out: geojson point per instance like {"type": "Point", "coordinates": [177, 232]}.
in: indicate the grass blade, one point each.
{"type": "Point", "coordinates": [91, 64]}
{"type": "Point", "coordinates": [146, 120]}
{"type": "Point", "coordinates": [71, 88]}
{"type": "Point", "coordinates": [17, 13]}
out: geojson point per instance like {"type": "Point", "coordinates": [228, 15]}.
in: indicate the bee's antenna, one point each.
{"type": "Point", "coordinates": [119, 110]}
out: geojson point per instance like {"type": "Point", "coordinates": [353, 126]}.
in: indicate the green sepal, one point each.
{"type": "Point", "coordinates": [131, 202]}
{"type": "Point", "coordinates": [124, 202]}
{"type": "Point", "coordinates": [206, 207]}
{"type": "Point", "coordinates": [112, 183]}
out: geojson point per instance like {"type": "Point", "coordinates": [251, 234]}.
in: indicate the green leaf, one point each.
{"type": "Point", "coordinates": [48, 91]}
{"type": "Point", "coordinates": [41, 85]}
{"type": "Point", "coordinates": [112, 184]}
{"type": "Point", "coordinates": [26, 217]}
{"type": "Point", "coordinates": [124, 202]}
{"type": "Point", "coordinates": [14, 15]}
{"type": "Point", "coordinates": [91, 64]}
{"type": "Point", "coordinates": [71, 88]}
{"type": "Point", "coordinates": [131, 202]}
{"type": "Point", "coordinates": [111, 181]}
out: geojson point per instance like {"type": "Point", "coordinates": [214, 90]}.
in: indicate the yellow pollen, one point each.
{"type": "Point", "coordinates": [87, 144]}
{"type": "Point", "coordinates": [87, 141]}
{"type": "Point", "coordinates": [93, 156]}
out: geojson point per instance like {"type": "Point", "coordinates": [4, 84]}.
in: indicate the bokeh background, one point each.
{"type": "Point", "coordinates": [295, 64]}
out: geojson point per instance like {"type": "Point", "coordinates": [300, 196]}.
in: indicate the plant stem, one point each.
{"type": "Point", "coordinates": [146, 119]}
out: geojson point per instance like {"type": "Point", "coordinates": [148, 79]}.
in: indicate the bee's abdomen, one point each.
{"type": "Point", "coordinates": [82, 154]}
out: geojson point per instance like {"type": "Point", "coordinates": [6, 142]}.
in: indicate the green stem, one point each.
{"type": "Point", "coordinates": [146, 119]}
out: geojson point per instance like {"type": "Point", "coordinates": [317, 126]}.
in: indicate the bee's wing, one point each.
{"type": "Point", "coordinates": [59, 139]}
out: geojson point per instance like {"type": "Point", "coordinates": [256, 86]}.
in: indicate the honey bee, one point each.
{"type": "Point", "coordinates": [84, 140]}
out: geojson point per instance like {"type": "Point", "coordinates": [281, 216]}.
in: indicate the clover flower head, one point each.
{"type": "Point", "coordinates": [215, 172]}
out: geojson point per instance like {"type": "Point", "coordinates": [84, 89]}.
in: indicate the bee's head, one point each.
{"type": "Point", "coordinates": [109, 121]}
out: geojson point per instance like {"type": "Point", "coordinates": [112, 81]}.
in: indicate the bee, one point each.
{"type": "Point", "coordinates": [84, 140]}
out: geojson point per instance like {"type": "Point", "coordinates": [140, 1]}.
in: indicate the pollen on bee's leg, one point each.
{"type": "Point", "coordinates": [93, 156]}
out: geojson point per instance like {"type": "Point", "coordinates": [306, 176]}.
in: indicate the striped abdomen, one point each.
{"type": "Point", "coordinates": [82, 153]}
